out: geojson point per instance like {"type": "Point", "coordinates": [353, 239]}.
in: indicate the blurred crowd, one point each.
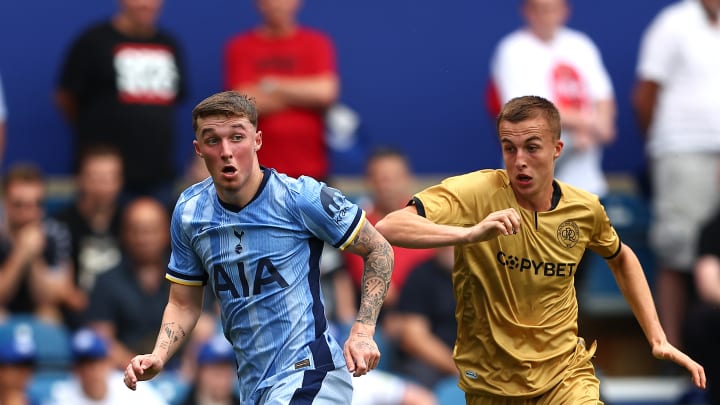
{"type": "Point", "coordinates": [93, 266]}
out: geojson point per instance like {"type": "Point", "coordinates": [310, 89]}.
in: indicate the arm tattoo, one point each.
{"type": "Point", "coordinates": [171, 334]}
{"type": "Point", "coordinates": [378, 256]}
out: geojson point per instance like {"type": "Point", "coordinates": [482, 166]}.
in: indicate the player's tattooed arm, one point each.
{"type": "Point", "coordinates": [180, 316]}
{"type": "Point", "coordinates": [378, 256]}
{"type": "Point", "coordinates": [171, 337]}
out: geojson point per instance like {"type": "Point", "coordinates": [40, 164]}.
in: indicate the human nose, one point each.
{"type": "Point", "coordinates": [520, 158]}
{"type": "Point", "coordinates": [225, 151]}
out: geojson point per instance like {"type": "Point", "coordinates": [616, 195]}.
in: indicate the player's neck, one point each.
{"type": "Point", "coordinates": [539, 202]}
{"type": "Point", "coordinates": [242, 196]}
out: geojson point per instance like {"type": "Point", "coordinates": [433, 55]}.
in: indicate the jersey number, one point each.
{"type": "Point", "coordinates": [224, 283]}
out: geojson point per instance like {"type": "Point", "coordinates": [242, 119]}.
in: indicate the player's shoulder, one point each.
{"type": "Point", "coordinates": [576, 194]}
{"type": "Point", "coordinates": [481, 178]}
{"type": "Point", "coordinates": [306, 189]}
{"type": "Point", "coordinates": [289, 191]}
{"type": "Point", "coordinates": [196, 192]}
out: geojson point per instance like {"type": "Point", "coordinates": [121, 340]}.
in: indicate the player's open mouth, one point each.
{"type": "Point", "coordinates": [523, 178]}
{"type": "Point", "coordinates": [229, 170]}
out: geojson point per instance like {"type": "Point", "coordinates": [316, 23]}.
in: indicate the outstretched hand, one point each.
{"type": "Point", "coordinates": [504, 222]}
{"type": "Point", "coordinates": [361, 352]}
{"type": "Point", "coordinates": [666, 351]}
{"type": "Point", "coordinates": [142, 368]}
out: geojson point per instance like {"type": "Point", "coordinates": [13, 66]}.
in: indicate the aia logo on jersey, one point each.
{"type": "Point", "coordinates": [333, 202]}
{"type": "Point", "coordinates": [568, 234]}
{"type": "Point", "coordinates": [238, 247]}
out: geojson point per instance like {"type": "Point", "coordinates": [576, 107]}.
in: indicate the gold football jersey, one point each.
{"type": "Point", "coordinates": [516, 303]}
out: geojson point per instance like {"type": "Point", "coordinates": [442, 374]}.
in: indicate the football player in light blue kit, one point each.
{"type": "Point", "coordinates": [255, 237]}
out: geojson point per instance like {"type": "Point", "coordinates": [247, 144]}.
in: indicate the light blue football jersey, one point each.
{"type": "Point", "coordinates": [263, 264]}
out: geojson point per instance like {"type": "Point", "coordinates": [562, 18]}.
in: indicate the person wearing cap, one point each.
{"type": "Point", "coordinates": [94, 380]}
{"type": "Point", "coordinates": [215, 378]}
{"type": "Point", "coordinates": [17, 358]}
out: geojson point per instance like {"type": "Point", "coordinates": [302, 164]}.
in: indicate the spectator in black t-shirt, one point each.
{"type": "Point", "coordinates": [127, 302]}
{"type": "Point", "coordinates": [428, 328]}
{"type": "Point", "coordinates": [119, 84]}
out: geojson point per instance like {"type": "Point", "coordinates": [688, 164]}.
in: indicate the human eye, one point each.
{"type": "Point", "coordinates": [532, 148]}
{"type": "Point", "coordinates": [211, 140]}
{"type": "Point", "coordinates": [237, 137]}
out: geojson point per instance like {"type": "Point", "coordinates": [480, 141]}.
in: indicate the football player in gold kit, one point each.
{"type": "Point", "coordinates": [519, 235]}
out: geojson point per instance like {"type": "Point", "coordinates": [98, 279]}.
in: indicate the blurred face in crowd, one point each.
{"type": "Point", "coordinates": [24, 203]}
{"type": "Point", "coordinates": [146, 230]}
{"type": "Point", "coordinates": [92, 374]}
{"type": "Point", "coordinates": [389, 182]}
{"type": "Point", "coordinates": [101, 179]}
{"type": "Point", "coordinates": [141, 13]}
{"type": "Point", "coordinates": [217, 380]}
{"type": "Point", "coordinates": [14, 378]}
{"type": "Point", "coordinates": [544, 17]}
{"type": "Point", "coordinates": [279, 13]}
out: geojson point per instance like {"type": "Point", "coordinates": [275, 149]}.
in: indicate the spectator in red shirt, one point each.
{"type": "Point", "coordinates": [290, 70]}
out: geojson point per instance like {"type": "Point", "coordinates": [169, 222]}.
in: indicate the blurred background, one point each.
{"type": "Point", "coordinates": [412, 70]}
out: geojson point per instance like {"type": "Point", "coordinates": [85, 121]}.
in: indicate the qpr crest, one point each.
{"type": "Point", "coordinates": [568, 234]}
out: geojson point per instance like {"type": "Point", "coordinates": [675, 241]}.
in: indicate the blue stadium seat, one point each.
{"type": "Point", "coordinates": [630, 215]}
{"type": "Point", "coordinates": [44, 383]}
{"type": "Point", "coordinates": [53, 349]}
{"type": "Point", "coordinates": [52, 342]}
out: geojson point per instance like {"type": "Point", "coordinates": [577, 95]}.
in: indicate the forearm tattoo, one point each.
{"type": "Point", "coordinates": [378, 256]}
{"type": "Point", "coordinates": [171, 334]}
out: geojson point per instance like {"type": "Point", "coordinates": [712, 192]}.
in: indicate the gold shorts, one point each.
{"type": "Point", "coordinates": [580, 386]}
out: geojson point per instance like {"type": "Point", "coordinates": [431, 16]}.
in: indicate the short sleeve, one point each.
{"type": "Point", "coordinates": [600, 84]}
{"type": "Point", "coordinates": [604, 240]}
{"type": "Point", "coordinates": [328, 214]}
{"type": "Point", "coordinates": [658, 49]}
{"type": "Point", "coordinates": [185, 266]}
{"type": "Point", "coordinates": [238, 67]}
{"type": "Point", "coordinates": [75, 67]}
{"type": "Point", "coordinates": [446, 204]}
{"type": "Point", "coordinates": [323, 51]}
